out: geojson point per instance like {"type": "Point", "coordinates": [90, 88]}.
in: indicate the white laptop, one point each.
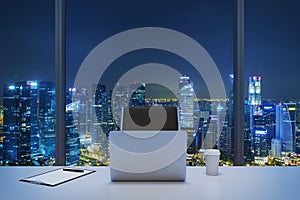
{"type": "Point", "coordinates": [149, 146]}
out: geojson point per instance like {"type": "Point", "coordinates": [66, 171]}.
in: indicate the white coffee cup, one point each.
{"type": "Point", "coordinates": [212, 157]}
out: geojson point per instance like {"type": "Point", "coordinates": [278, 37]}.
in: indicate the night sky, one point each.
{"type": "Point", "coordinates": [271, 38]}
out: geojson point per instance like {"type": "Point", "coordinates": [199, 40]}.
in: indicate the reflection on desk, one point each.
{"type": "Point", "coordinates": [232, 183]}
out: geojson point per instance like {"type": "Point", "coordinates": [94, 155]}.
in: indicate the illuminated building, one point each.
{"type": "Point", "coordinates": [72, 140]}
{"type": "Point", "coordinates": [298, 129]}
{"type": "Point", "coordinates": [121, 99]}
{"type": "Point", "coordinates": [257, 122]}
{"type": "Point", "coordinates": [225, 142]}
{"type": "Point", "coordinates": [260, 135]}
{"type": "Point", "coordinates": [138, 96]}
{"type": "Point", "coordinates": [275, 148]}
{"type": "Point", "coordinates": [254, 90]}
{"type": "Point", "coordinates": [72, 135]}
{"type": "Point", "coordinates": [47, 118]}
{"type": "Point", "coordinates": [1, 132]}
{"type": "Point", "coordinates": [226, 137]}
{"type": "Point", "coordinates": [285, 125]}
{"type": "Point", "coordinates": [231, 102]}
{"type": "Point", "coordinates": [211, 136]}
{"type": "Point", "coordinates": [186, 103]}
{"type": "Point", "coordinates": [20, 125]}
{"type": "Point", "coordinates": [81, 108]}
{"type": "Point", "coordinates": [103, 109]}
{"type": "Point", "coordinates": [269, 114]}
{"type": "Point", "coordinates": [292, 111]}
{"type": "Point", "coordinates": [260, 145]}
{"type": "Point", "coordinates": [248, 142]}
{"type": "Point", "coordinates": [186, 107]}
{"type": "Point", "coordinates": [204, 115]}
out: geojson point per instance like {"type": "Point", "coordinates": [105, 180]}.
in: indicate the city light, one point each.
{"type": "Point", "coordinates": [32, 83]}
{"type": "Point", "coordinates": [11, 87]}
{"type": "Point", "coordinates": [261, 132]}
{"type": "Point", "coordinates": [87, 134]}
{"type": "Point", "coordinates": [268, 107]}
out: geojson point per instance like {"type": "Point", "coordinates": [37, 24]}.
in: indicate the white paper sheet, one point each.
{"type": "Point", "coordinates": [56, 177]}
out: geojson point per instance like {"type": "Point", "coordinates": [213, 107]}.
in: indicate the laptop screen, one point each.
{"type": "Point", "coordinates": [138, 118]}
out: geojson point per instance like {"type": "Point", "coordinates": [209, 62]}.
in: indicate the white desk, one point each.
{"type": "Point", "coordinates": [253, 183]}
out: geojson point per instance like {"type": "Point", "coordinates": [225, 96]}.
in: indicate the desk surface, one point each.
{"type": "Point", "coordinates": [232, 183]}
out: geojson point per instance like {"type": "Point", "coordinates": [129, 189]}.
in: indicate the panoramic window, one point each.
{"type": "Point", "coordinates": [158, 53]}
{"type": "Point", "coordinates": [27, 94]}
{"type": "Point", "coordinates": [147, 54]}
{"type": "Point", "coordinates": [271, 75]}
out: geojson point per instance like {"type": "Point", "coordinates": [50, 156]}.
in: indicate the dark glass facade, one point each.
{"type": "Point", "coordinates": [47, 119]}
{"type": "Point", "coordinates": [20, 126]}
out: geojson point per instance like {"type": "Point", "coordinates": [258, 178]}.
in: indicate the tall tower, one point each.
{"type": "Point", "coordinates": [269, 114]}
{"type": "Point", "coordinates": [248, 139]}
{"type": "Point", "coordinates": [186, 103]}
{"type": "Point", "coordinates": [292, 111]}
{"type": "Point", "coordinates": [226, 137]}
{"type": "Point", "coordinates": [20, 126]}
{"type": "Point", "coordinates": [231, 102]}
{"type": "Point", "coordinates": [186, 98]}
{"type": "Point", "coordinates": [121, 99]}
{"type": "Point", "coordinates": [80, 102]}
{"type": "Point", "coordinates": [103, 109]}
{"type": "Point", "coordinates": [254, 90]}
{"type": "Point", "coordinates": [285, 127]}
{"type": "Point", "coordinates": [298, 128]}
{"type": "Point", "coordinates": [47, 118]}
{"type": "Point", "coordinates": [257, 122]}
{"type": "Point", "coordinates": [72, 135]}
{"type": "Point", "coordinates": [1, 133]}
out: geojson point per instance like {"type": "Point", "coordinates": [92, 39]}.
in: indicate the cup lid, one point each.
{"type": "Point", "coordinates": [212, 152]}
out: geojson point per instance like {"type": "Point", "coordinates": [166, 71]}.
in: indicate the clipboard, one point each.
{"type": "Point", "coordinates": [56, 177]}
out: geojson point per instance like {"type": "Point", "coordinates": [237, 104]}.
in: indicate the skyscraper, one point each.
{"type": "Point", "coordinates": [204, 120]}
{"type": "Point", "coordinates": [72, 140]}
{"type": "Point", "coordinates": [72, 135]}
{"type": "Point", "coordinates": [226, 137]}
{"type": "Point", "coordinates": [254, 90]}
{"type": "Point", "coordinates": [257, 120]}
{"type": "Point", "coordinates": [47, 118]}
{"type": "Point", "coordinates": [138, 95]}
{"type": "Point", "coordinates": [259, 133]}
{"type": "Point", "coordinates": [269, 114]}
{"type": "Point", "coordinates": [186, 103]}
{"type": "Point", "coordinates": [210, 139]}
{"type": "Point", "coordinates": [284, 129]}
{"type": "Point", "coordinates": [1, 132]}
{"type": "Point", "coordinates": [248, 141]}
{"type": "Point", "coordinates": [120, 99]}
{"type": "Point", "coordinates": [275, 148]}
{"type": "Point", "coordinates": [81, 105]}
{"type": "Point", "coordinates": [186, 97]}
{"type": "Point", "coordinates": [103, 109]}
{"type": "Point", "coordinates": [20, 126]}
{"type": "Point", "coordinates": [291, 106]}
{"type": "Point", "coordinates": [298, 128]}
{"type": "Point", "coordinates": [260, 145]}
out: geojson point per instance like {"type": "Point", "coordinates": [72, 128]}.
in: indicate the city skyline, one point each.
{"type": "Point", "coordinates": [270, 127]}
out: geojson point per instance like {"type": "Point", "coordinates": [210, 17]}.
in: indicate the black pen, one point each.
{"type": "Point", "coordinates": [37, 182]}
{"type": "Point", "coordinates": [73, 170]}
